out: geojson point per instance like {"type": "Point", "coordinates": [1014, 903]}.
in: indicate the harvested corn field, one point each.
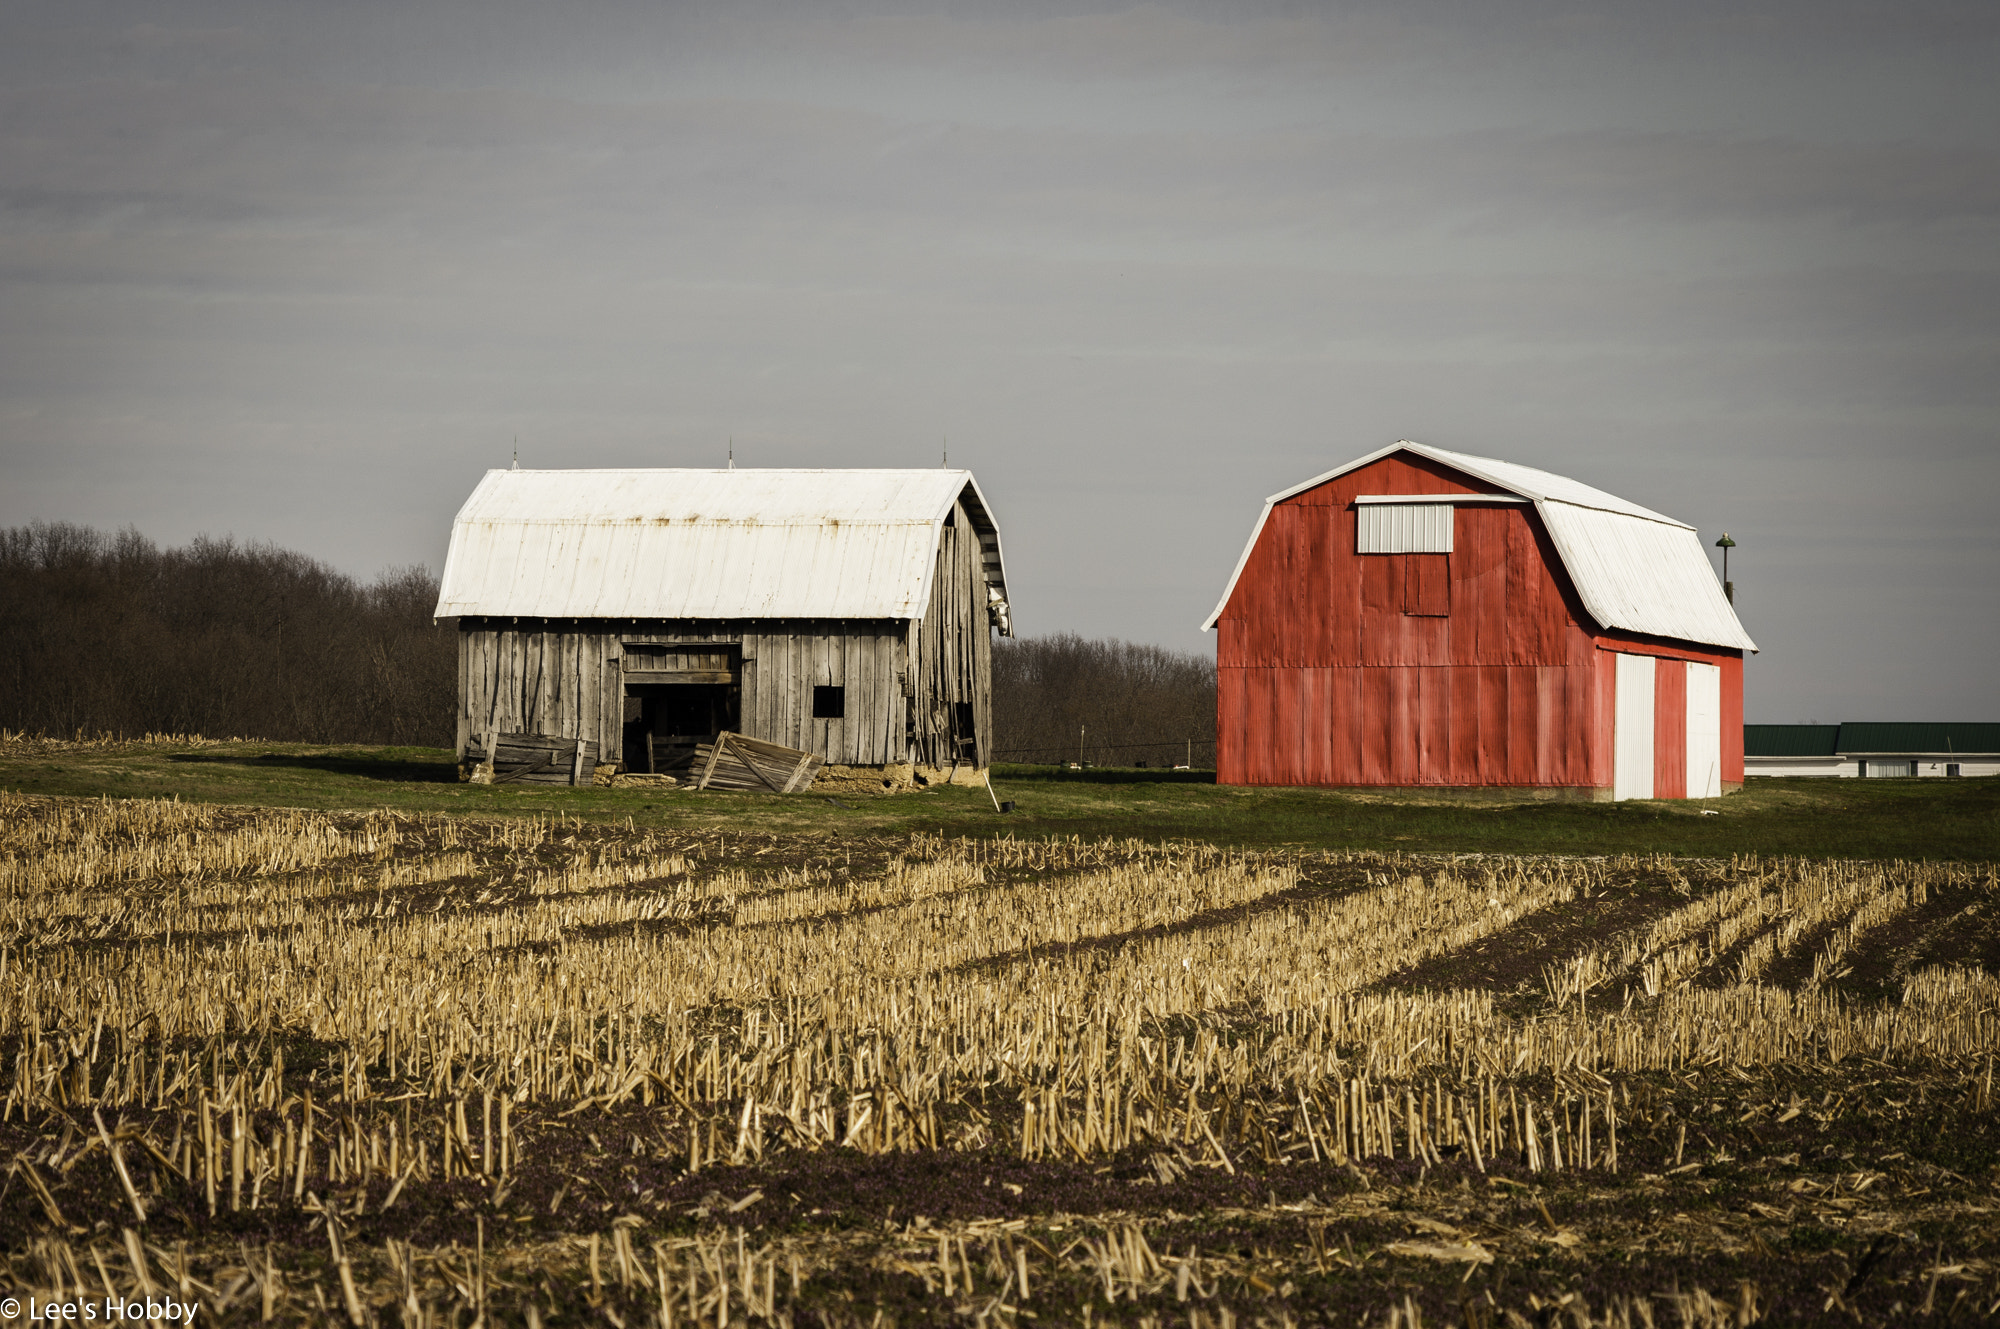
{"type": "Point", "coordinates": [427, 1070]}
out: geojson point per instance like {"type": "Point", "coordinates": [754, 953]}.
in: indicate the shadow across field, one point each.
{"type": "Point", "coordinates": [1510, 963]}
{"type": "Point", "coordinates": [392, 765]}
{"type": "Point", "coordinates": [1874, 819]}
{"type": "Point", "coordinates": [1328, 884]}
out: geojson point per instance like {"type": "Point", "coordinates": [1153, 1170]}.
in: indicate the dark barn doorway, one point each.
{"type": "Point", "coordinates": [665, 721]}
{"type": "Point", "coordinates": [677, 697]}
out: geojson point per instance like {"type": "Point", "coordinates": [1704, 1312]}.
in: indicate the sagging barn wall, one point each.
{"type": "Point", "coordinates": [916, 690]}
{"type": "Point", "coordinates": [951, 689]}
{"type": "Point", "coordinates": [1474, 668]}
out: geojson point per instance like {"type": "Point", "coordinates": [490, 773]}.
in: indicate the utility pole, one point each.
{"type": "Point", "coordinates": [1725, 544]}
{"type": "Point", "coordinates": [1079, 746]}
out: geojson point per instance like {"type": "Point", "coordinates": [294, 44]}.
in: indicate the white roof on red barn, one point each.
{"type": "Point", "coordinates": [707, 544]}
{"type": "Point", "coordinates": [1633, 568]}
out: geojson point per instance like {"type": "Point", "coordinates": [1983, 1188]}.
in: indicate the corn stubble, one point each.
{"type": "Point", "coordinates": [427, 1070]}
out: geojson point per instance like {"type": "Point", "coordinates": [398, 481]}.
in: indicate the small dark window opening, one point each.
{"type": "Point", "coordinates": [1951, 770]}
{"type": "Point", "coordinates": [829, 703]}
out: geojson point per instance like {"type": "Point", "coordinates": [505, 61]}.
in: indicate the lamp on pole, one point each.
{"type": "Point", "coordinates": [1725, 544]}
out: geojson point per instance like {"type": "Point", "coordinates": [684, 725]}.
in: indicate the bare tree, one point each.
{"type": "Point", "coordinates": [1064, 698]}
{"type": "Point", "coordinates": [112, 633]}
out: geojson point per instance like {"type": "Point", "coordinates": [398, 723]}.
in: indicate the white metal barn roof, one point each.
{"type": "Point", "coordinates": [707, 544]}
{"type": "Point", "coordinates": [1633, 568]}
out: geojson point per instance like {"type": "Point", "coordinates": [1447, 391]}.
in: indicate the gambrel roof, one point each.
{"type": "Point", "coordinates": [707, 544]}
{"type": "Point", "coordinates": [1633, 568]}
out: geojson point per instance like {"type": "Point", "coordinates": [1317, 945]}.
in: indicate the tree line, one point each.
{"type": "Point", "coordinates": [1065, 698]}
{"type": "Point", "coordinates": [110, 633]}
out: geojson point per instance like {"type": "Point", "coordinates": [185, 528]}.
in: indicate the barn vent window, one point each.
{"type": "Point", "coordinates": [829, 703]}
{"type": "Point", "coordinates": [1403, 528]}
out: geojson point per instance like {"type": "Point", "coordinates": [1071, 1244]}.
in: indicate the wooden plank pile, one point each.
{"type": "Point", "coordinates": [531, 759]}
{"type": "Point", "coordinates": [736, 762]}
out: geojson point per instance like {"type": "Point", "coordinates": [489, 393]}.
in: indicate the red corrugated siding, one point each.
{"type": "Point", "coordinates": [1670, 709]}
{"type": "Point", "coordinates": [1732, 718]}
{"type": "Point", "coordinates": [1427, 584]}
{"type": "Point", "coordinates": [1323, 679]}
{"type": "Point", "coordinates": [1408, 724]}
{"type": "Point", "coordinates": [1604, 681]}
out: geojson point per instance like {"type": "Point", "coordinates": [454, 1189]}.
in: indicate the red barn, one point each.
{"type": "Point", "coordinates": [1424, 618]}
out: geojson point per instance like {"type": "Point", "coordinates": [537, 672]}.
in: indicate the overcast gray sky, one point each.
{"type": "Point", "coordinates": [302, 272]}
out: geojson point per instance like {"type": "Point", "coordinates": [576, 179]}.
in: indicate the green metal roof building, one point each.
{"type": "Point", "coordinates": [1872, 750]}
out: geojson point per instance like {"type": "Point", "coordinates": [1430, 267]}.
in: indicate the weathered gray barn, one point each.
{"type": "Point", "coordinates": [846, 613]}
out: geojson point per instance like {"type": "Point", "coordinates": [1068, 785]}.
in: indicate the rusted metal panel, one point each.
{"type": "Point", "coordinates": [1427, 585]}
{"type": "Point", "coordinates": [699, 544]}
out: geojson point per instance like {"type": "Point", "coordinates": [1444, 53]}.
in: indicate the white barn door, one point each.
{"type": "Point", "coordinates": [1704, 731]}
{"type": "Point", "coordinates": [1632, 728]}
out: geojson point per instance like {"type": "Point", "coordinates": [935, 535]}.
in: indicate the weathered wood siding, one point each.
{"type": "Point", "coordinates": [784, 661]}
{"type": "Point", "coordinates": [568, 680]}
{"type": "Point", "coordinates": [549, 678]}
{"type": "Point", "coordinates": [560, 679]}
{"type": "Point", "coordinates": [951, 650]}
{"type": "Point", "coordinates": [911, 690]}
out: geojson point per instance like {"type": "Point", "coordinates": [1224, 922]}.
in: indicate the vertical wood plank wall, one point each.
{"type": "Point", "coordinates": [784, 661]}
{"type": "Point", "coordinates": [951, 651]}
{"type": "Point", "coordinates": [540, 679]}
{"type": "Point", "coordinates": [900, 679]}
